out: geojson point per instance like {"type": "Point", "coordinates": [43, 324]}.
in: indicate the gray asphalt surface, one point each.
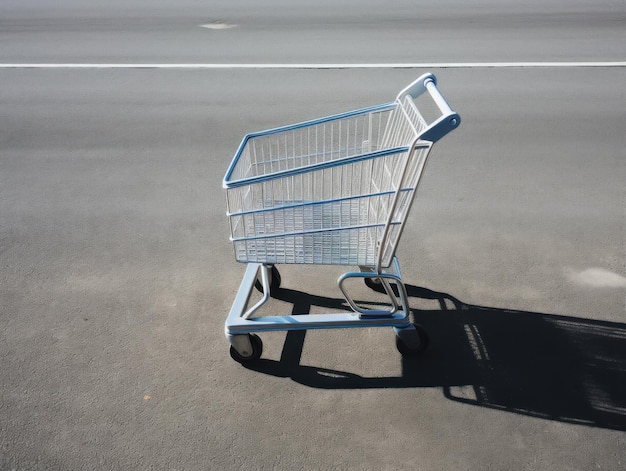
{"type": "Point", "coordinates": [116, 272]}
{"type": "Point", "coordinates": [323, 31]}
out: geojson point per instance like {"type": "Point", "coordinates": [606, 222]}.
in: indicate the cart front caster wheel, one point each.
{"type": "Point", "coordinates": [408, 350]}
{"type": "Point", "coordinates": [374, 284]}
{"type": "Point", "coordinates": [255, 354]}
{"type": "Point", "coordinates": [274, 280]}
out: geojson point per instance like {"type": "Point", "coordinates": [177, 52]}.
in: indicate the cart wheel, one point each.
{"type": "Point", "coordinates": [274, 280]}
{"type": "Point", "coordinates": [405, 350]}
{"type": "Point", "coordinates": [374, 284]}
{"type": "Point", "coordinates": [257, 350]}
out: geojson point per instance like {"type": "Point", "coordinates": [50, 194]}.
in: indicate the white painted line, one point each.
{"type": "Point", "coordinates": [218, 25]}
{"type": "Point", "coordinates": [425, 65]}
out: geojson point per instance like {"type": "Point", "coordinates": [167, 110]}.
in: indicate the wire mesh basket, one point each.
{"type": "Point", "coordinates": [333, 191]}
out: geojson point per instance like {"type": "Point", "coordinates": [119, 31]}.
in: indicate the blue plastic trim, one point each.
{"type": "Point", "coordinates": [441, 127]}
{"type": "Point", "coordinates": [228, 184]}
{"type": "Point", "coordinates": [321, 166]}
{"type": "Point", "coordinates": [315, 203]}
{"type": "Point", "coordinates": [335, 117]}
{"type": "Point", "coordinates": [310, 231]}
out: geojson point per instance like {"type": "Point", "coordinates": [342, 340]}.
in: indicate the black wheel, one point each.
{"type": "Point", "coordinates": [405, 350]}
{"type": "Point", "coordinates": [274, 280]}
{"type": "Point", "coordinates": [374, 284]}
{"type": "Point", "coordinates": [257, 350]}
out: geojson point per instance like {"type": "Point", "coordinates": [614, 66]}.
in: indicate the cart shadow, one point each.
{"type": "Point", "coordinates": [541, 365]}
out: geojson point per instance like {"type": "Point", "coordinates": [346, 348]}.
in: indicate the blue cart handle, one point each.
{"type": "Point", "coordinates": [449, 119]}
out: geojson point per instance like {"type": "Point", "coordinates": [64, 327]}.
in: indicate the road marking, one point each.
{"type": "Point", "coordinates": [424, 65]}
{"type": "Point", "coordinates": [598, 278]}
{"type": "Point", "coordinates": [218, 25]}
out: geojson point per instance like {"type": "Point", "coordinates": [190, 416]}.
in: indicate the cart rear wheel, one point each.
{"type": "Point", "coordinates": [274, 280]}
{"type": "Point", "coordinates": [374, 284]}
{"type": "Point", "coordinates": [255, 354]}
{"type": "Point", "coordinates": [406, 350]}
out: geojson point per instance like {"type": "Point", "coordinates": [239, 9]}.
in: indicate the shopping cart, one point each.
{"type": "Point", "coordinates": [332, 191]}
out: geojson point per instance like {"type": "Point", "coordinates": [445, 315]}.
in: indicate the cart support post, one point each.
{"type": "Point", "coordinates": [238, 309]}
{"type": "Point", "coordinates": [385, 279]}
{"type": "Point", "coordinates": [399, 302]}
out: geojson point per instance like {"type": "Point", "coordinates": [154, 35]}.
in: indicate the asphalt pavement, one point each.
{"type": "Point", "coordinates": [117, 273]}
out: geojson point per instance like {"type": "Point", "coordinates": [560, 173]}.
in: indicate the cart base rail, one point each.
{"type": "Point", "coordinates": [240, 325]}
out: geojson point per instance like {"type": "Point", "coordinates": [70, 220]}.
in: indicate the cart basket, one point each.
{"type": "Point", "coordinates": [335, 190]}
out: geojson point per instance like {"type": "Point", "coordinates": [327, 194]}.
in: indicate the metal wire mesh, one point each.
{"type": "Point", "coordinates": [323, 193]}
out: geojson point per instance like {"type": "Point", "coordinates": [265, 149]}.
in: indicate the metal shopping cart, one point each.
{"type": "Point", "coordinates": [332, 191]}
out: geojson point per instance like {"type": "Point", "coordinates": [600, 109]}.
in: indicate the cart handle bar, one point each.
{"type": "Point", "coordinates": [449, 119]}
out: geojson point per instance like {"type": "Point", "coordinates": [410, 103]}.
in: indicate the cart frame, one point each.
{"type": "Point", "coordinates": [383, 271]}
